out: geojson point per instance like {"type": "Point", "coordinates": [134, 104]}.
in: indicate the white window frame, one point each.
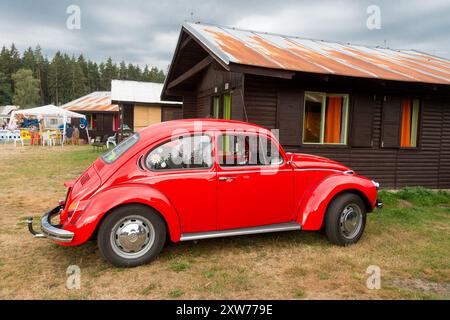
{"type": "Point", "coordinates": [324, 96]}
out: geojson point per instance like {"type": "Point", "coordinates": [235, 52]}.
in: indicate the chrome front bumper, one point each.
{"type": "Point", "coordinates": [54, 232]}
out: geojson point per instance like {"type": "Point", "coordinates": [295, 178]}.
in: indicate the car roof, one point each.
{"type": "Point", "coordinates": [165, 129]}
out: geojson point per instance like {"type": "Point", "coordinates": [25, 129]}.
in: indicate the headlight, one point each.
{"type": "Point", "coordinates": [376, 184]}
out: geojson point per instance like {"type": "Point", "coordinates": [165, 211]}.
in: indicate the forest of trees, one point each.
{"type": "Point", "coordinates": [31, 79]}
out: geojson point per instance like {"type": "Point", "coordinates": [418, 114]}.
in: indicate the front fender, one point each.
{"type": "Point", "coordinates": [312, 207]}
{"type": "Point", "coordinates": [108, 199]}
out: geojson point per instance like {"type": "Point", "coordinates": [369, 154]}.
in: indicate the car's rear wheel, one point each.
{"type": "Point", "coordinates": [131, 235]}
{"type": "Point", "coordinates": [345, 219]}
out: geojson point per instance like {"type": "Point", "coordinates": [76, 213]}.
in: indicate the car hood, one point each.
{"type": "Point", "coordinates": [307, 161]}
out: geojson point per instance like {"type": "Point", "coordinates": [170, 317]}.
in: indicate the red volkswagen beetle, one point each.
{"type": "Point", "coordinates": [200, 179]}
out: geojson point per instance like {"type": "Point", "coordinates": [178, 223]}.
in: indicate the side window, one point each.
{"type": "Point", "coordinates": [410, 123]}
{"type": "Point", "coordinates": [325, 118]}
{"type": "Point", "coordinates": [221, 106]}
{"type": "Point", "coordinates": [187, 152]}
{"type": "Point", "coordinates": [247, 150]}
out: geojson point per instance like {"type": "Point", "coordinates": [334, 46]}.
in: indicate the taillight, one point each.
{"type": "Point", "coordinates": [72, 208]}
{"type": "Point", "coordinates": [75, 209]}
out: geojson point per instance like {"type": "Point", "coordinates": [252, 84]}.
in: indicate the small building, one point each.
{"type": "Point", "coordinates": [102, 116]}
{"type": "Point", "coordinates": [140, 104]}
{"type": "Point", "coordinates": [383, 112]}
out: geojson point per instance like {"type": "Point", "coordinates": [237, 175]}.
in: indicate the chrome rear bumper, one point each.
{"type": "Point", "coordinates": [54, 232]}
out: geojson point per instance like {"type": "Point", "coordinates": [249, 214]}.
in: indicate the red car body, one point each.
{"type": "Point", "coordinates": [198, 201]}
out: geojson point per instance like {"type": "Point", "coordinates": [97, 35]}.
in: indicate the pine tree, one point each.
{"type": "Point", "coordinates": [108, 72]}
{"type": "Point", "coordinates": [5, 90]}
{"type": "Point", "coordinates": [79, 80]}
{"type": "Point", "coordinates": [55, 84]}
{"type": "Point", "coordinates": [93, 76]}
{"type": "Point", "coordinates": [123, 74]}
{"type": "Point", "coordinates": [42, 66]}
{"type": "Point", "coordinates": [29, 61]}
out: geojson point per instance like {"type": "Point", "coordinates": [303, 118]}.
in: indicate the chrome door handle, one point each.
{"type": "Point", "coordinates": [226, 178]}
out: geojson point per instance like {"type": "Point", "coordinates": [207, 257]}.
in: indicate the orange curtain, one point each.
{"type": "Point", "coordinates": [406, 124]}
{"type": "Point", "coordinates": [333, 119]}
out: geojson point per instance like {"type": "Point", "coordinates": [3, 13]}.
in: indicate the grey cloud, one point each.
{"type": "Point", "coordinates": [145, 32]}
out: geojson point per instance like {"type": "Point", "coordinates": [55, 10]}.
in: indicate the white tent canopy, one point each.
{"type": "Point", "coordinates": [48, 111]}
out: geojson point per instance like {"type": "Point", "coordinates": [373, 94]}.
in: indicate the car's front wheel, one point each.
{"type": "Point", "coordinates": [131, 235]}
{"type": "Point", "coordinates": [345, 219]}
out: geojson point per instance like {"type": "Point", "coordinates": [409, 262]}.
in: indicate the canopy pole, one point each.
{"type": "Point", "coordinates": [89, 138]}
{"type": "Point", "coordinates": [64, 130]}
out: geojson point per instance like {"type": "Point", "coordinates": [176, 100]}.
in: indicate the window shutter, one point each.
{"type": "Point", "coordinates": [363, 112]}
{"type": "Point", "coordinates": [289, 116]}
{"type": "Point", "coordinates": [391, 122]}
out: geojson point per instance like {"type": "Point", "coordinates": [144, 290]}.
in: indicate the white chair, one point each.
{"type": "Point", "coordinates": [111, 140]}
{"type": "Point", "coordinates": [15, 136]}
{"type": "Point", "coordinates": [47, 139]}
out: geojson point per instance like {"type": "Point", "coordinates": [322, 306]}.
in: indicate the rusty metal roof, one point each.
{"type": "Point", "coordinates": [98, 101]}
{"type": "Point", "coordinates": [261, 49]}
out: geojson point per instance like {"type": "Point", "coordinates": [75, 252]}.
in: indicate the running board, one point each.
{"type": "Point", "coordinates": [290, 226]}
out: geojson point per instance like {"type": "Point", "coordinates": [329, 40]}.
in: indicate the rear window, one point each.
{"type": "Point", "coordinates": [117, 152]}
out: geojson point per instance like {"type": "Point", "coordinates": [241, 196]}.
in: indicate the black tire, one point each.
{"type": "Point", "coordinates": [151, 234]}
{"type": "Point", "coordinates": [338, 211]}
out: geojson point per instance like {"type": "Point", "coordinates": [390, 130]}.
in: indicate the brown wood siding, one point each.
{"type": "Point", "coordinates": [189, 106]}
{"type": "Point", "coordinates": [362, 110]}
{"type": "Point", "coordinates": [261, 101]}
{"type": "Point", "coordinates": [171, 113]}
{"type": "Point", "coordinates": [290, 116]}
{"type": "Point", "coordinates": [390, 122]}
{"type": "Point", "coordinates": [444, 161]}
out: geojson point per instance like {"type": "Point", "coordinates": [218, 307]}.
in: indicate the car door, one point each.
{"type": "Point", "coordinates": [254, 183]}
{"type": "Point", "coordinates": [182, 169]}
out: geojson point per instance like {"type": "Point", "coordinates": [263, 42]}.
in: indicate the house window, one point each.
{"type": "Point", "coordinates": [325, 118]}
{"type": "Point", "coordinates": [227, 106]}
{"type": "Point", "coordinates": [221, 107]}
{"type": "Point", "coordinates": [216, 107]}
{"type": "Point", "coordinates": [410, 123]}
{"type": "Point", "coordinates": [92, 122]}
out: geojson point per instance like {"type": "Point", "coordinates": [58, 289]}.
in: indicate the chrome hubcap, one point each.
{"type": "Point", "coordinates": [132, 237]}
{"type": "Point", "coordinates": [351, 221]}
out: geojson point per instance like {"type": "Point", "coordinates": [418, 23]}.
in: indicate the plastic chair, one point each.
{"type": "Point", "coordinates": [98, 143]}
{"type": "Point", "coordinates": [15, 136]}
{"type": "Point", "coordinates": [111, 140]}
{"type": "Point", "coordinates": [47, 139]}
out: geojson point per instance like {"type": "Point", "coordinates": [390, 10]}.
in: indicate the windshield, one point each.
{"type": "Point", "coordinates": [117, 152]}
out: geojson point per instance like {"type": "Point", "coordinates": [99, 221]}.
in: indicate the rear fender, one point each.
{"type": "Point", "coordinates": [313, 206]}
{"type": "Point", "coordinates": [108, 199]}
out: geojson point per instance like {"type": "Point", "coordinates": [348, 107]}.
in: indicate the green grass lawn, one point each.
{"type": "Point", "coordinates": [409, 239]}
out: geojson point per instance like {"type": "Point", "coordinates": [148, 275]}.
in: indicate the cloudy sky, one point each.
{"type": "Point", "coordinates": [145, 32]}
